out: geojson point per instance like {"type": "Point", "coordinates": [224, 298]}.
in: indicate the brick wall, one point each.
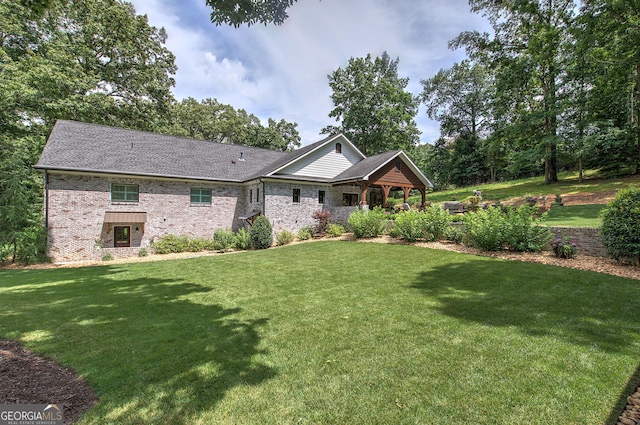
{"type": "Point", "coordinates": [77, 205]}
{"type": "Point", "coordinates": [285, 214]}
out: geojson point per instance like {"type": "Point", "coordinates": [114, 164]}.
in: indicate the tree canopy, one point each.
{"type": "Point", "coordinates": [371, 104]}
{"type": "Point", "coordinates": [238, 12]}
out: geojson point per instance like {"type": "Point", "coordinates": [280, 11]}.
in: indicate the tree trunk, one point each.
{"type": "Point", "coordinates": [580, 167]}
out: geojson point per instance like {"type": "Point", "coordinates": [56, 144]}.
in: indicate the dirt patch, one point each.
{"type": "Point", "coordinates": [588, 198]}
{"type": "Point", "coordinates": [30, 379]}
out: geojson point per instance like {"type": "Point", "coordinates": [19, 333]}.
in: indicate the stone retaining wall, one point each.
{"type": "Point", "coordinates": [588, 238]}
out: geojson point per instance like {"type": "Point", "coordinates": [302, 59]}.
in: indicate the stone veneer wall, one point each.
{"type": "Point", "coordinates": [77, 205]}
{"type": "Point", "coordinates": [284, 214]}
{"type": "Point", "coordinates": [588, 239]}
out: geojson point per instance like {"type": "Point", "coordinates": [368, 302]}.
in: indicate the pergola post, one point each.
{"type": "Point", "coordinates": [363, 202]}
{"type": "Point", "coordinates": [406, 193]}
{"type": "Point", "coordinates": [423, 192]}
{"type": "Point", "coordinates": [385, 197]}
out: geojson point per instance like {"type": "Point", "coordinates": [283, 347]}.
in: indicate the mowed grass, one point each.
{"type": "Point", "coordinates": [335, 332]}
{"type": "Point", "coordinates": [575, 216]}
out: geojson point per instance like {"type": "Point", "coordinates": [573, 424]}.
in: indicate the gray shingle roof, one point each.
{"type": "Point", "coordinates": [366, 166]}
{"type": "Point", "coordinates": [76, 146]}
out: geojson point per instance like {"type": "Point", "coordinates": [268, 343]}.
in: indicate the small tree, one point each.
{"type": "Point", "coordinates": [261, 233]}
{"type": "Point", "coordinates": [323, 218]}
{"type": "Point", "coordinates": [621, 225]}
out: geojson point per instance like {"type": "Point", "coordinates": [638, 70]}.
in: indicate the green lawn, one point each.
{"type": "Point", "coordinates": [575, 216]}
{"type": "Point", "coordinates": [335, 332]}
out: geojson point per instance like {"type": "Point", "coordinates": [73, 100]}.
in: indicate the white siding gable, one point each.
{"type": "Point", "coordinates": [325, 162]}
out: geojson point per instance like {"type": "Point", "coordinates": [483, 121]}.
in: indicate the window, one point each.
{"type": "Point", "coordinates": [398, 165]}
{"type": "Point", "coordinates": [350, 199]}
{"type": "Point", "coordinates": [321, 196]}
{"type": "Point", "coordinates": [201, 196]}
{"type": "Point", "coordinates": [258, 195]}
{"type": "Point", "coordinates": [250, 195]}
{"type": "Point", "coordinates": [124, 192]}
{"type": "Point", "coordinates": [296, 196]}
{"type": "Point", "coordinates": [338, 148]}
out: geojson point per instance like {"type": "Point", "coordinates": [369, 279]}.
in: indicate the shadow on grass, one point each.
{"type": "Point", "coordinates": [152, 355]}
{"type": "Point", "coordinates": [584, 308]}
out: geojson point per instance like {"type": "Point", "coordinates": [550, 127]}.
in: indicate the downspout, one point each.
{"type": "Point", "coordinates": [46, 207]}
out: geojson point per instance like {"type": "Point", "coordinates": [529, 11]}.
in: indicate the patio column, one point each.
{"type": "Point", "coordinates": [364, 186]}
{"type": "Point", "coordinates": [385, 197]}
{"type": "Point", "coordinates": [423, 192]}
{"type": "Point", "coordinates": [406, 193]}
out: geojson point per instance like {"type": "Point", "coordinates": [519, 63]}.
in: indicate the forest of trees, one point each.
{"type": "Point", "coordinates": [555, 86]}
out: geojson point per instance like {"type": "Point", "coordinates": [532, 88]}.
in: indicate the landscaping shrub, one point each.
{"type": "Point", "coordinates": [453, 234]}
{"type": "Point", "coordinates": [517, 230]}
{"type": "Point", "coordinates": [334, 230]}
{"type": "Point", "coordinates": [621, 225]}
{"type": "Point", "coordinates": [223, 240]}
{"type": "Point", "coordinates": [430, 224]}
{"type": "Point", "coordinates": [323, 218]}
{"type": "Point", "coordinates": [284, 237]}
{"type": "Point", "coordinates": [367, 223]}
{"type": "Point", "coordinates": [107, 257]}
{"type": "Point", "coordinates": [485, 229]}
{"type": "Point", "coordinates": [436, 222]}
{"type": "Point", "coordinates": [170, 243]}
{"type": "Point", "coordinates": [142, 252]}
{"type": "Point", "coordinates": [408, 226]}
{"type": "Point", "coordinates": [242, 239]}
{"type": "Point", "coordinates": [198, 244]}
{"type": "Point", "coordinates": [261, 233]}
{"type": "Point", "coordinates": [305, 233]}
{"type": "Point", "coordinates": [524, 233]}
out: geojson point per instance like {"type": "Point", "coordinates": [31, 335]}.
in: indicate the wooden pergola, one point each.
{"type": "Point", "coordinates": [395, 173]}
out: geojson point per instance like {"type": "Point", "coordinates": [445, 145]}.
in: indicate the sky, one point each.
{"type": "Point", "coordinates": [281, 71]}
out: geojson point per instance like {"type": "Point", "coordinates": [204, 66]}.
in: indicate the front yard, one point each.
{"type": "Point", "coordinates": [335, 332]}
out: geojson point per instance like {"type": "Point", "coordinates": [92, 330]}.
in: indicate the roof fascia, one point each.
{"type": "Point", "coordinates": [102, 173]}
{"type": "Point", "coordinates": [329, 140]}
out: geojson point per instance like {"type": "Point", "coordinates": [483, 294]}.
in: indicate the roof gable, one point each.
{"type": "Point", "coordinates": [325, 159]}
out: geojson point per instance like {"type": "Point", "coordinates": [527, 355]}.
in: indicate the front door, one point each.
{"type": "Point", "coordinates": [122, 236]}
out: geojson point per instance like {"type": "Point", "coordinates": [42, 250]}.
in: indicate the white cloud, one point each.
{"type": "Point", "coordinates": [281, 72]}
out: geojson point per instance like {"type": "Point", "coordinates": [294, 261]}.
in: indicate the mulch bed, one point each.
{"type": "Point", "coordinates": [30, 379]}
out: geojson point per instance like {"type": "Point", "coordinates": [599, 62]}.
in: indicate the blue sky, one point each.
{"type": "Point", "coordinates": [281, 71]}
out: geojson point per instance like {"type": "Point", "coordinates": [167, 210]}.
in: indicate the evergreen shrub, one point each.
{"type": "Point", "coordinates": [621, 226]}
{"type": "Point", "coordinates": [261, 233]}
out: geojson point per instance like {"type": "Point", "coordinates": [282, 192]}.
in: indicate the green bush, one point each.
{"type": "Point", "coordinates": [486, 229]}
{"type": "Point", "coordinates": [31, 245]}
{"type": "Point", "coordinates": [223, 240]}
{"type": "Point", "coordinates": [408, 225]}
{"type": "Point", "coordinates": [198, 244]}
{"type": "Point", "coordinates": [334, 230]}
{"type": "Point", "coordinates": [305, 233]}
{"type": "Point", "coordinates": [107, 257]}
{"type": "Point", "coordinates": [367, 223]}
{"type": "Point", "coordinates": [436, 222]}
{"type": "Point", "coordinates": [524, 233]}
{"type": "Point", "coordinates": [242, 239]}
{"type": "Point", "coordinates": [453, 234]}
{"type": "Point", "coordinates": [284, 237]}
{"type": "Point", "coordinates": [142, 252]}
{"type": "Point", "coordinates": [517, 230]}
{"type": "Point", "coordinates": [261, 233]}
{"type": "Point", "coordinates": [621, 225]}
{"type": "Point", "coordinates": [170, 243]}
{"type": "Point", "coordinates": [430, 224]}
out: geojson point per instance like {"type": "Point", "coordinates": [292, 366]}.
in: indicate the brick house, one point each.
{"type": "Point", "coordinates": [120, 189]}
